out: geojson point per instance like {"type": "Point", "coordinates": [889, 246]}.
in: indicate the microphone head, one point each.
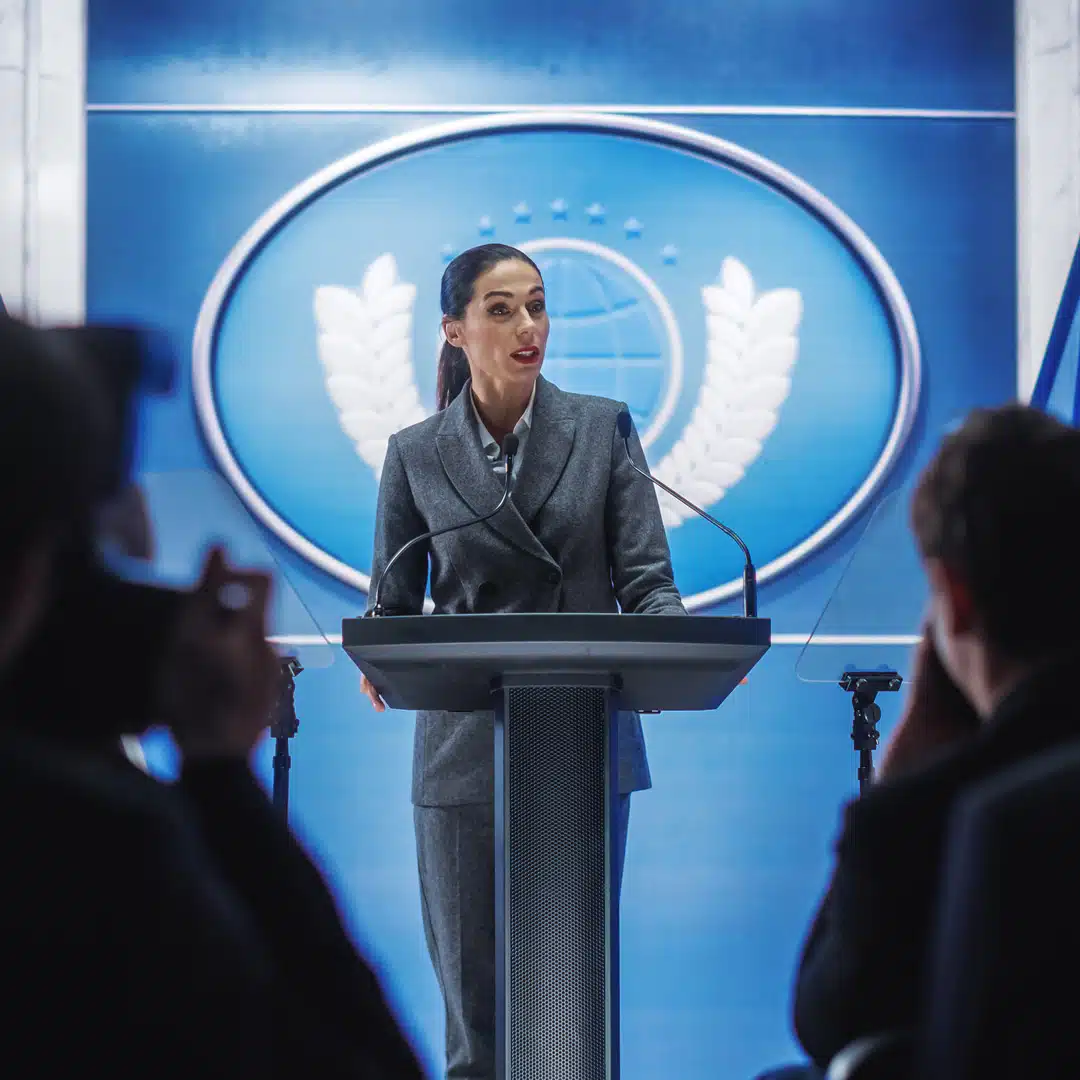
{"type": "Point", "coordinates": [624, 423]}
{"type": "Point", "coordinates": [510, 445]}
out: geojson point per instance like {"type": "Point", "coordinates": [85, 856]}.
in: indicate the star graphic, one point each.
{"type": "Point", "coordinates": [486, 227]}
{"type": "Point", "coordinates": [596, 214]}
{"type": "Point", "coordinates": [633, 227]}
{"type": "Point", "coordinates": [670, 254]}
{"type": "Point", "coordinates": [522, 213]}
{"type": "Point", "coordinates": [559, 209]}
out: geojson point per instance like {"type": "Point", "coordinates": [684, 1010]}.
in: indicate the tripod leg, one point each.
{"type": "Point", "coordinates": [866, 770]}
{"type": "Point", "coordinates": [282, 761]}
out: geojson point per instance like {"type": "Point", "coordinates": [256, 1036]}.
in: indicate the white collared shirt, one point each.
{"type": "Point", "coordinates": [492, 450]}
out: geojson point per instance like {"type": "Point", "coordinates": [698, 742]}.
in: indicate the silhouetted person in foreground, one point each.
{"type": "Point", "coordinates": [994, 517]}
{"type": "Point", "coordinates": [149, 929]}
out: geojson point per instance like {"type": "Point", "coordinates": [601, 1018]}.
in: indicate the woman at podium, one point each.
{"type": "Point", "coordinates": [583, 533]}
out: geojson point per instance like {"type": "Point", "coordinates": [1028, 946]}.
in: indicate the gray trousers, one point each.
{"type": "Point", "coordinates": [455, 849]}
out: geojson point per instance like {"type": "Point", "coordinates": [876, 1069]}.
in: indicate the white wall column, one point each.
{"type": "Point", "coordinates": [43, 158]}
{"type": "Point", "coordinates": [1048, 168]}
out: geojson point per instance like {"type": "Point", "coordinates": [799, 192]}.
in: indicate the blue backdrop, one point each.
{"type": "Point", "coordinates": [740, 268]}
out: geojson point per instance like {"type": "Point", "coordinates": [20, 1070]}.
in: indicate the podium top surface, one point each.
{"type": "Point", "coordinates": [454, 662]}
{"type": "Point", "coordinates": [553, 627]}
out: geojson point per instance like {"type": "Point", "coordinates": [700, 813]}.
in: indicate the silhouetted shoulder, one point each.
{"type": "Point", "coordinates": [912, 810]}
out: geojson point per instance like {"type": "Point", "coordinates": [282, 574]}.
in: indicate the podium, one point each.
{"type": "Point", "coordinates": [556, 683]}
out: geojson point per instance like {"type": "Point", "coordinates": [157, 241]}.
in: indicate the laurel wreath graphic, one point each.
{"type": "Point", "coordinates": [752, 347]}
{"type": "Point", "coordinates": [365, 347]}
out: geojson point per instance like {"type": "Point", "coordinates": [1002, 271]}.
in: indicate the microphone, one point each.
{"type": "Point", "coordinates": [625, 426]}
{"type": "Point", "coordinates": [509, 448]}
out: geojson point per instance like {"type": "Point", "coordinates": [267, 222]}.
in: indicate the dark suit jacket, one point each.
{"type": "Point", "coordinates": [862, 968]}
{"type": "Point", "coordinates": [172, 931]}
{"type": "Point", "coordinates": [1007, 930]}
{"type": "Point", "coordinates": [583, 533]}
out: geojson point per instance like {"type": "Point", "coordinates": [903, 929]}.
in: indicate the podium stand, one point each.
{"type": "Point", "coordinates": [556, 683]}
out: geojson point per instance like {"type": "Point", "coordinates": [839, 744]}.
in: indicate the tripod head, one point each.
{"type": "Point", "coordinates": [283, 721]}
{"type": "Point", "coordinates": [283, 726]}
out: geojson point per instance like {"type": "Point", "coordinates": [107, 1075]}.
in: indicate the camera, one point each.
{"type": "Point", "coordinates": [127, 363]}
{"type": "Point", "coordinates": [91, 672]}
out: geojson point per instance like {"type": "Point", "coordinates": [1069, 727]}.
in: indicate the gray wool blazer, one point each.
{"type": "Point", "coordinates": [583, 533]}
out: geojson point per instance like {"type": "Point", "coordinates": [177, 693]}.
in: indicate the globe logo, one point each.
{"type": "Point", "coordinates": [612, 331]}
{"type": "Point", "coordinates": [725, 300]}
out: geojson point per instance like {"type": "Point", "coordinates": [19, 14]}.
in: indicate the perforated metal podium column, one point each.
{"type": "Point", "coordinates": [556, 782]}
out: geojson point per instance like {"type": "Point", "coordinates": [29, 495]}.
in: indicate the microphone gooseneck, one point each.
{"type": "Point", "coordinates": [625, 427]}
{"type": "Point", "coordinates": [509, 448]}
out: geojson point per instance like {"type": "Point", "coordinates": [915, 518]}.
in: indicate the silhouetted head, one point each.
{"type": "Point", "coordinates": [54, 427]}
{"type": "Point", "coordinates": [996, 522]}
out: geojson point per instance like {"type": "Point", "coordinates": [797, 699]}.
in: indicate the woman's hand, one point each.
{"type": "Point", "coordinates": [372, 693]}
{"type": "Point", "coordinates": [936, 714]}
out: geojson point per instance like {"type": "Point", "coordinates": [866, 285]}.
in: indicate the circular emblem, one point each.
{"type": "Point", "coordinates": [763, 345]}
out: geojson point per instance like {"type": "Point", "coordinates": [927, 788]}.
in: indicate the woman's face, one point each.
{"type": "Point", "coordinates": [504, 330]}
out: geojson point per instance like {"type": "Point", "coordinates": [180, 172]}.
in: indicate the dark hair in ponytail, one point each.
{"type": "Point", "coordinates": [455, 292]}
